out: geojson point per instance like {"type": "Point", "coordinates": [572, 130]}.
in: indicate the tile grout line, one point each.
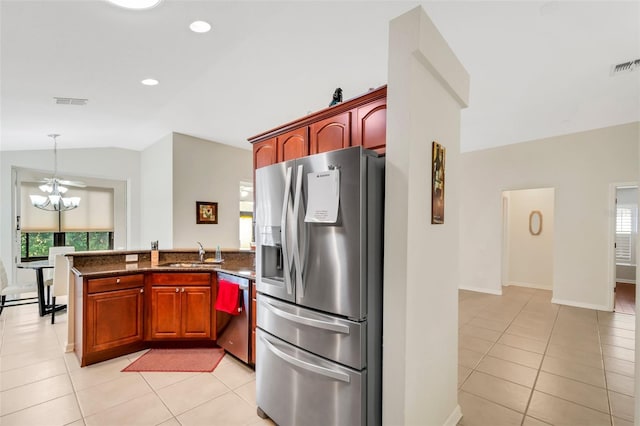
{"type": "Point", "coordinates": [535, 381]}
{"type": "Point", "coordinates": [73, 385]}
{"type": "Point", "coordinates": [604, 370]}
{"type": "Point", "coordinates": [484, 355]}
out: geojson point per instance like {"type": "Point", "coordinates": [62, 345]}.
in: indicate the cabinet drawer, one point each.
{"type": "Point", "coordinates": [122, 282]}
{"type": "Point", "coordinates": [181, 278]}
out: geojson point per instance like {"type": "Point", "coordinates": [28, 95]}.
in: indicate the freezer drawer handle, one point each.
{"type": "Point", "coordinates": [338, 328]}
{"type": "Point", "coordinates": [337, 375]}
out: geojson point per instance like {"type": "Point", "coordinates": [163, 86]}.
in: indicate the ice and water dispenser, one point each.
{"type": "Point", "coordinates": [271, 252]}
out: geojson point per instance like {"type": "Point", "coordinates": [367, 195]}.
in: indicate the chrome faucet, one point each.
{"type": "Point", "coordinates": [201, 252]}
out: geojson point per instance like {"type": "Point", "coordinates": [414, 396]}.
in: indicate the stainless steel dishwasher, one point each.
{"type": "Point", "coordinates": [234, 330]}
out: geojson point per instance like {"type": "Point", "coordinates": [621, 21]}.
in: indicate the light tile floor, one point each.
{"type": "Point", "coordinates": [41, 385]}
{"type": "Point", "coordinates": [523, 361]}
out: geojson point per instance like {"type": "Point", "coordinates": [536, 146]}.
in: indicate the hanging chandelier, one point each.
{"type": "Point", "coordinates": [55, 189]}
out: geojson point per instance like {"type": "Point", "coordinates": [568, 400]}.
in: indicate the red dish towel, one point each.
{"type": "Point", "coordinates": [227, 299]}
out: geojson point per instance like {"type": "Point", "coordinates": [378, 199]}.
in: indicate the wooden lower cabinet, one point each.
{"type": "Point", "coordinates": [115, 319]}
{"type": "Point", "coordinates": [109, 317]}
{"type": "Point", "coordinates": [180, 312]}
{"type": "Point", "coordinates": [180, 306]}
{"type": "Point", "coordinates": [121, 314]}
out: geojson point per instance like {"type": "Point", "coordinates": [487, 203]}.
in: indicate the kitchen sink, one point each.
{"type": "Point", "coordinates": [191, 265]}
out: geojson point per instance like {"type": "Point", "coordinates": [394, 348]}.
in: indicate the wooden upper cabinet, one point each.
{"type": "Point", "coordinates": [293, 144]}
{"type": "Point", "coordinates": [331, 133]}
{"type": "Point", "coordinates": [359, 121]}
{"type": "Point", "coordinates": [264, 153]}
{"type": "Point", "coordinates": [371, 126]}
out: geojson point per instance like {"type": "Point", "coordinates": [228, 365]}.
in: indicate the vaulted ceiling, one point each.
{"type": "Point", "coordinates": [537, 69]}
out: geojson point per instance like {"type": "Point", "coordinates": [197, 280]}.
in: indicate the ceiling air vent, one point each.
{"type": "Point", "coordinates": [625, 67]}
{"type": "Point", "coordinates": [70, 101]}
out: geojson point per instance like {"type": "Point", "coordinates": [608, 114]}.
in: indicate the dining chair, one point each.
{"type": "Point", "coordinates": [53, 252]}
{"type": "Point", "coordinates": [16, 289]}
{"type": "Point", "coordinates": [61, 277]}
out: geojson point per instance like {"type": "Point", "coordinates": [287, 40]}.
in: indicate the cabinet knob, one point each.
{"type": "Point", "coordinates": [117, 280]}
{"type": "Point", "coordinates": [177, 289]}
{"type": "Point", "coordinates": [142, 290]}
{"type": "Point", "coordinates": [183, 289]}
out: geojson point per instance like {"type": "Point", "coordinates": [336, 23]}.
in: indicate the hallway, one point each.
{"type": "Point", "coordinates": [526, 361]}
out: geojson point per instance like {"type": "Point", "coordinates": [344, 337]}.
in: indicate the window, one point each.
{"type": "Point", "coordinates": [88, 227]}
{"type": "Point", "coordinates": [246, 215]}
{"type": "Point", "coordinates": [626, 220]}
{"type": "Point", "coordinates": [35, 245]}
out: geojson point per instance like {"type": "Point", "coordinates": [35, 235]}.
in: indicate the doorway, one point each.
{"type": "Point", "coordinates": [527, 247]}
{"type": "Point", "coordinates": [625, 248]}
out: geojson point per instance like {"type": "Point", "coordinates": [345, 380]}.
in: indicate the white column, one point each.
{"type": "Point", "coordinates": [426, 90]}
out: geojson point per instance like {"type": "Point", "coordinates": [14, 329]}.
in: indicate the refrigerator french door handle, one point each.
{"type": "Point", "coordinates": [337, 375]}
{"type": "Point", "coordinates": [296, 218]}
{"type": "Point", "coordinates": [324, 325]}
{"type": "Point", "coordinates": [283, 232]}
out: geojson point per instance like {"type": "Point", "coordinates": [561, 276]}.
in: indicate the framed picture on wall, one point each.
{"type": "Point", "coordinates": [206, 212]}
{"type": "Point", "coordinates": [437, 183]}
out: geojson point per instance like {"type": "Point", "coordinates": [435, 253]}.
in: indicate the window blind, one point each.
{"type": "Point", "coordinates": [94, 214]}
{"type": "Point", "coordinates": [625, 232]}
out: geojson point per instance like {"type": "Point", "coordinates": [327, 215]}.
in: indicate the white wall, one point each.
{"type": "Point", "coordinates": [156, 172]}
{"type": "Point", "coordinates": [530, 256]}
{"type": "Point", "coordinates": [103, 163]}
{"type": "Point", "coordinates": [580, 167]}
{"type": "Point", "coordinates": [208, 171]}
{"type": "Point", "coordinates": [427, 88]}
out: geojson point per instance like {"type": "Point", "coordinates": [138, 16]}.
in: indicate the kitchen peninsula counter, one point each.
{"type": "Point", "coordinates": [119, 302]}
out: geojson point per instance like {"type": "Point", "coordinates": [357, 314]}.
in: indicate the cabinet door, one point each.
{"type": "Point", "coordinates": [293, 144]}
{"type": "Point", "coordinates": [113, 319]}
{"type": "Point", "coordinates": [331, 133]}
{"type": "Point", "coordinates": [371, 126]}
{"type": "Point", "coordinates": [165, 312]}
{"type": "Point", "coordinates": [196, 312]}
{"type": "Point", "coordinates": [264, 153]}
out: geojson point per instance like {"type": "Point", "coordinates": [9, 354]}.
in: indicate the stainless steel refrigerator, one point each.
{"type": "Point", "coordinates": [319, 245]}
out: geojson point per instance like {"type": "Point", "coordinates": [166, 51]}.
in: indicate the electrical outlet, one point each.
{"type": "Point", "coordinates": [131, 258]}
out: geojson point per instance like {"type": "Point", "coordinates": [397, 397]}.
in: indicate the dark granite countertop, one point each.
{"type": "Point", "coordinates": [110, 263]}
{"type": "Point", "coordinates": [112, 269]}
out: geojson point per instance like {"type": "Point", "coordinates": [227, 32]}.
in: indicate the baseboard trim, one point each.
{"type": "Point", "coordinates": [580, 304]}
{"type": "Point", "coordinates": [454, 417]}
{"type": "Point", "coordinates": [482, 290]}
{"type": "Point", "coordinates": [530, 285]}
{"type": "Point", "coordinates": [625, 281]}
{"type": "Point", "coordinates": [70, 347]}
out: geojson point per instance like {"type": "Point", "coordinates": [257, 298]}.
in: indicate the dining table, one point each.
{"type": "Point", "coordinates": [39, 266]}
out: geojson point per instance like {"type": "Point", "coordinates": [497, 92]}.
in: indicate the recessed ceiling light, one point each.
{"type": "Point", "coordinates": [149, 82]}
{"type": "Point", "coordinates": [135, 4]}
{"type": "Point", "coordinates": [200, 27]}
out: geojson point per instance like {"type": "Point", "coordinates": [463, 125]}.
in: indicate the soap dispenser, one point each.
{"type": "Point", "coordinates": [218, 254]}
